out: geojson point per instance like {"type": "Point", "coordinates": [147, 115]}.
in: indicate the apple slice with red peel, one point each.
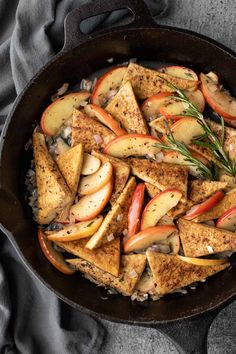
{"type": "Point", "coordinates": [92, 183]}
{"type": "Point", "coordinates": [148, 237]}
{"type": "Point", "coordinates": [60, 110]}
{"type": "Point", "coordinates": [132, 145]}
{"type": "Point", "coordinates": [201, 208]}
{"type": "Point", "coordinates": [159, 206]}
{"type": "Point", "coordinates": [228, 220]}
{"type": "Point", "coordinates": [135, 209]}
{"type": "Point", "coordinates": [54, 257]}
{"type": "Point", "coordinates": [105, 118]}
{"type": "Point", "coordinates": [202, 261]}
{"type": "Point", "coordinates": [186, 129]}
{"type": "Point", "coordinates": [196, 98]}
{"type": "Point", "coordinates": [90, 164]}
{"type": "Point", "coordinates": [107, 84]}
{"type": "Point", "coordinates": [151, 106]}
{"type": "Point", "coordinates": [179, 71]}
{"type": "Point", "coordinates": [77, 231]}
{"type": "Point", "coordinates": [219, 100]}
{"type": "Point", "coordinates": [89, 206]}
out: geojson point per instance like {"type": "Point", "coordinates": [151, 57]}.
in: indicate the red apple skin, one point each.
{"type": "Point", "coordinates": [135, 209]}
{"type": "Point", "coordinates": [54, 257]}
{"type": "Point", "coordinates": [222, 221]}
{"type": "Point", "coordinates": [201, 208]}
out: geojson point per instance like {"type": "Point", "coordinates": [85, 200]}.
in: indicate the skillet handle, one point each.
{"type": "Point", "coordinates": [190, 335]}
{"type": "Point", "coordinates": [73, 34]}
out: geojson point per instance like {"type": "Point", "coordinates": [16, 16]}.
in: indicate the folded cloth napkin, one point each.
{"type": "Point", "coordinates": [32, 319]}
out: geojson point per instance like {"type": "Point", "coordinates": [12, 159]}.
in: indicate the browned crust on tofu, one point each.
{"type": "Point", "coordinates": [106, 257]}
{"type": "Point", "coordinates": [180, 209]}
{"type": "Point", "coordinates": [126, 282]}
{"type": "Point", "coordinates": [202, 189]}
{"type": "Point", "coordinates": [171, 273]}
{"type": "Point", "coordinates": [197, 238]}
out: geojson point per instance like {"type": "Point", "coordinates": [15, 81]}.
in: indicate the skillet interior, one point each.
{"type": "Point", "coordinates": [161, 44]}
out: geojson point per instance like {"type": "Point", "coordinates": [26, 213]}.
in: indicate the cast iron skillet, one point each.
{"type": "Point", "coordinates": [80, 56]}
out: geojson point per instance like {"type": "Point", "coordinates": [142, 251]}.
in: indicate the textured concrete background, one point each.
{"type": "Point", "coordinates": [216, 19]}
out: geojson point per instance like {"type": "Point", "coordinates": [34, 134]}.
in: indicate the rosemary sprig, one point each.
{"type": "Point", "coordinates": [213, 141]}
{"type": "Point", "coordinates": [181, 148]}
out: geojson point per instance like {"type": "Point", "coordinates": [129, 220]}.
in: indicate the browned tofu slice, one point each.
{"type": "Point", "coordinates": [147, 82]}
{"type": "Point", "coordinates": [89, 132]}
{"type": "Point", "coordinates": [180, 209]}
{"type": "Point", "coordinates": [201, 239]}
{"type": "Point", "coordinates": [151, 189]}
{"type": "Point", "coordinates": [53, 192]}
{"type": "Point", "coordinates": [121, 171]}
{"type": "Point", "coordinates": [132, 267]}
{"type": "Point", "coordinates": [229, 201]}
{"type": "Point", "coordinates": [106, 258]}
{"type": "Point", "coordinates": [202, 189]}
{"type": "Point", "coordinates": [124, 108]}
{"type": "Point", "coordinates": [116, 221]}
{"type": "Point", "coordinates": [171, 273]}
{"type": "Point", "coordinates": [162, 175]}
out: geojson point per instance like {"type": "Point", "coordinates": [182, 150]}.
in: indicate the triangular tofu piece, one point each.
{"type": "Point", "coordinates": [116, 221]}
{"type": "Point", "coordinates": [124, 108]}
{"type": "Point", "coordinates": [228, 202]}
{"type": "Point", "coordinates": [53, 192]}
{"type": "Point", "coordinates": [180, 209]}
{"type": "Point", "coordinates": [89, 132]}
{"type": "Point", "coordinates": [147, 82]}
{"type": "Point", "coordinates": [202, 189]}
{"type": "Point", "coordinates": [70, 164]}
{"type": "Point", "coordinates": [162, 175]}
{"type": "Point", "coordinates": [201, 239]}
{"type": "Point", "coordinates": [106, 258]}
{"type": "Point", "coordinates": [121, 171]}
{"type": "Point", "coordinates": [132, 267]}
{"type": "Point", "coordinates": [171, 273]}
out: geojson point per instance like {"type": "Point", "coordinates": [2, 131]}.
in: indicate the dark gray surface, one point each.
{"type": "Point", "coordinates": [216, 19]}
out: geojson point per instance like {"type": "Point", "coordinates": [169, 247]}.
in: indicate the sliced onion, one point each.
{"type": "Point", "coordinates": [98, 139]}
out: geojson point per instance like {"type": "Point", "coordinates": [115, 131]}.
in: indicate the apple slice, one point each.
{"type": "Point", "coordinates": [54, 257]}
{"type": "Point", "coordinates": [89, 206]}
{"type": "Point", "coordinates": [132, 145]}
{"type": "Point", "coordinates": [92, 183]}
{"type": "Point", "coordinates": [90, 164]}
{"type": "Point", "coordinates": [60, 110]}
{"type": "Point", "coordinates": [196, 98]}
{"type": "Point", "coordinates": [151, 106]}
{"type": "Point", "coordinates": [148, 237]}
{"type": "Point", "coordinates": [179, 71]}
{"type": "Point", "coordinates": [174, 242]}
{"type": "Point", "coordinates": [135, 209]}
{"type": "Point", "coordinates": [201, 208]}
{"type": "Point", "coordinates": [203, 261]}
{"type": "Point", "coordinates": [159, 206]}
{"type": "Point", "coordinates": [219, 100]}
{"type": "Point", "coordinates": [186, 129]}
{"type": "Point", "coordinates": [228, 220]}
{"type": "Point", "coordinates": [77, 231]}
{"type": "Point", "coordinates": [105, 118]}
{"type": "Point", "coordinates": [107, 84]}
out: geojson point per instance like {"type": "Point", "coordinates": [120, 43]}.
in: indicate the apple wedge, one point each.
{"type": "Point", "coordinates": [196, 98]}
{"type": "Point", "coordinates": [202, 261]}
{"type": "Point", "coordinates": [132, 145]}
{"type": "Point", "coordinates": [54, 257]}
{"type": "Point", "coordinates": [151, 106]}
{"type": "Point", "coordinates": [179, 71]}
{"type": "Point", "coordinates": [105, 118]}
{"type": "Point", "coordinates": [60, 110]}
{"type": "Point", "coordinates": [77, 231]}
{"type": "Point", "coordinates": [89, 206]}
{"type": "Point", "coordinates": [148, 237]}
{"type": "Point", "coordinates": [159, 206]}
{"type": "Point", "coordinates": [228, 220]}
{"type": "Point", "coordinates": [135, 209]}
{"type": "Point", "coordinates": [174, 242]}
{"type": "Point", "coordinates": [90, 164]}
{"type": "Point", "coordinates": [201, 208]}
{"type": "Point", "coordinates": [92, 183]}
{"type": "Point", "coordinates": [186, 129]}
{"type": "Point", "coordinates": [108, 83]}
{"type": "Point", "coordinates": [219, 100]}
